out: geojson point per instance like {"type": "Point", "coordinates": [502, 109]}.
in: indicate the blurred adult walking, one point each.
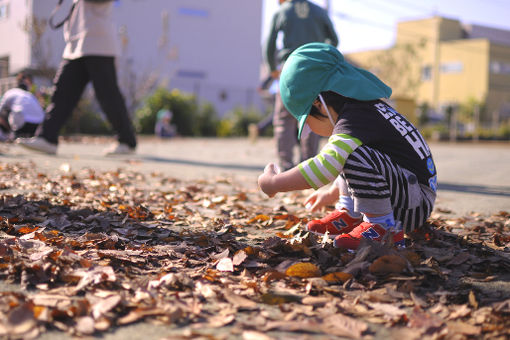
{"type": "Point", "coordinates": [89, 55]}
{"type": "Point", "coordinates": [300, 22]}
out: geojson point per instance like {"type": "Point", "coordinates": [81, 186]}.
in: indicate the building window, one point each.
{"type": "Point", "coordinates": [4, 67]}
{"type": "Point", "coordinates": [498, 67]}
{"type": "Point", "coordinates": [452, 67]}
{"type": "Point", "coordinates": [191, 74]}
{"type": "Point", "coordinates": [193, 12]}
{"type": "Point", "coordinates": [4, 11]}
{"type": "Point", "coordinates": [426, 73]}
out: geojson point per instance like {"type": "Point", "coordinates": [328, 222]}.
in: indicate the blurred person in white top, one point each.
{"type": "Point", "coordinates": [20, 111]}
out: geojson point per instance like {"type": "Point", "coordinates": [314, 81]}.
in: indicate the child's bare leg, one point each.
{"type": "Point", "coordinates": [345, 200]}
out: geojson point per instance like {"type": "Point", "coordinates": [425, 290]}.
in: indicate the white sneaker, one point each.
{"type": "Point", "coordinates": [38, 144]}
{"type": "Point", "coordinates": [119, 149]}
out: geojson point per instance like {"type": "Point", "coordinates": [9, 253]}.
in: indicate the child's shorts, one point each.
{"type": "Point", "coordinates": [378, 185]}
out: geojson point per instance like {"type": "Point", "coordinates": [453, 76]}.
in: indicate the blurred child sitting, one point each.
{"type": "Point", "coordinates": [20, 111]}
{"type": "Point", "coordinates": [163, 127]}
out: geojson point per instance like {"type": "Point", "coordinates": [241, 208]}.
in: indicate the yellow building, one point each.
{"type": "Point", "coordinates": [441, 62]}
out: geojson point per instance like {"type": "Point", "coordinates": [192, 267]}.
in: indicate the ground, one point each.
{"type": "Point", "coordinates": [177, 242]}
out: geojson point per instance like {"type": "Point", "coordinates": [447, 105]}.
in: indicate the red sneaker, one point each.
{"type": "Point", "coordinates": [336, 223]}
{"type": "Point", "coordinates": [367, 230]}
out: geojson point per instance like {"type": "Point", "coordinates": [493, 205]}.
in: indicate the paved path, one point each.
{"type": "Point", "coordinates": [472, 177]}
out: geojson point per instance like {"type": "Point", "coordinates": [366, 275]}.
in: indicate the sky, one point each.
{"type": "Point", "coordinates": [371, 24]}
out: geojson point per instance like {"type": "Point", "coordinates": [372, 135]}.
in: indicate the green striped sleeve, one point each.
{"type": "Point", "coordinates": [328, 164]}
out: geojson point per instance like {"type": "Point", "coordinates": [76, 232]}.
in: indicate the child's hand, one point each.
{"type": "Point", "coordinates": [266, 179]}
{"type": "Point", "coordinates": [320, 199]}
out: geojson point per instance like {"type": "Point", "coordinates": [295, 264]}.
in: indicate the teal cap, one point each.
{"type": "Point", "coordinates": [317, 67]}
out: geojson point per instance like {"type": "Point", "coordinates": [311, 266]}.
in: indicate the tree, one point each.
{"type": "Point", "coordinates": [398, 67]}
{"type": "Point", "coordinates": [40, 48]}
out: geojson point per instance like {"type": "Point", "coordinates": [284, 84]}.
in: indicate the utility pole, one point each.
{"type": "Point", "coordinates": [328, 7]}
{"type": "Point", "coordinates": [476, 123]}
{"type": "Point", "coordinates": [436, 66]}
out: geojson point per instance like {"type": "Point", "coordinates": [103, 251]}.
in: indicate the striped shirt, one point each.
{"type": "Point", "coordinates": [328, 164]}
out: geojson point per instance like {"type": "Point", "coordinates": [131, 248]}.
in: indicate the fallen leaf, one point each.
{"type": "Point", "coordinates": [388, 264]}
{"type": "Point", "coordinates": [303, 270]}
{"type": "Point", "coordinates": [225, 265]}
{"type": "Point", "coordinates": [337, 277]}
{"type": "Point", "coordinates": [239, 257]}
{"type": "Point", "coordinates": [456, 327]}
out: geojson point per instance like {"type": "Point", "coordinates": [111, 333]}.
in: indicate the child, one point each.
{"type": "Point", "coordinates": [163, 127]}
{"type": "Point", "coordinates": [20, 111]}
{"type": "Point", "coordinates": [382, 167]}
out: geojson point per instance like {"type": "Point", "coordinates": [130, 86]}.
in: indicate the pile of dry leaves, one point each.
{"type": "Point", "coordinates": [85, 252]}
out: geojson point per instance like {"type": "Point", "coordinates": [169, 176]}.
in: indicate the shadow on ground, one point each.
{"type": "Point", "coordinates": [476, 189]}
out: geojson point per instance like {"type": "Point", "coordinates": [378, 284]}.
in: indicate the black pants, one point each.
{"type": "Point", "coordinates": [27, 130]}
{"type": "Point", "coordinates": [70, 82]}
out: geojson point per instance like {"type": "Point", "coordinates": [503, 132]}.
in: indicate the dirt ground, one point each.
{"type": "Point", "coordinates": [218, 178]}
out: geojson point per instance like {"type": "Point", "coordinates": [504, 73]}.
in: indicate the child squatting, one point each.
{"type": "Point", "coordinates": [384, 176]}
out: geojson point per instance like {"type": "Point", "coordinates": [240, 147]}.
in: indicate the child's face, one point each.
{"type": "Point", "coordinates": [319, 125]}
{"type": "Point", "coordinates": [322, 126]}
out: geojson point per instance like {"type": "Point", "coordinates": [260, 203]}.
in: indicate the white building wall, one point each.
{"type": "Point", "coordinates": [14, 41]}
{"type": "Point", "coordinates": [52, 44]}
{"type": "Point", "coordinates": [210, 48]}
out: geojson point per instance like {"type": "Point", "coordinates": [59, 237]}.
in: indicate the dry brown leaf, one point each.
{"type": "Point", "coordinates": [239, 257]}
{"type": "Point", "coordinates": [472, 299]}
{"type": "Point", "coordinates": [259, 218]}
{"type": "Point", "coordinates": [456, 327]}
{"type": "Point", "coordinates": [239, 301]}
{"type": "Point", "coordinates": [303, 270]}
{"type": "Point", "coordinates": [254, 335]}
{"type": "Point", "coordinates": [337, 277]}
{"type": "Point", "coordinates": [273, 275]}
{"type": "Point", "coordinates": [388, 264]}
{"type": "Point", "coordinates": [342, 325]}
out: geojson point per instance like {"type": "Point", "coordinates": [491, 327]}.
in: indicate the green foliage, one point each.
{"type": "Point", "coordinates": [423, 115]}
{"type": "Point", "coordinates": [188, 117]}
{"type": "Point", "coordinates": [207, 122]}
{"type": "Point", "coordinates": [467, 110]}
{"type": "Point", "coordinates": [435, 132]}
{"type": "Point", "coordinates": [504, 130]}
{"type": "Point", "coordinates": [237, 121]}
{"type": "Point", "coordinates": [86, 120]}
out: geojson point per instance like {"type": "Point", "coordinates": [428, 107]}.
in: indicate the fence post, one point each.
{"type": "Point", "coordinates": [453, 125]}
{"type": "Point", "coordinates": [476, 121]}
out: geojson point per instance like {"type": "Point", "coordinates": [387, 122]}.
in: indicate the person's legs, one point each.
{"type": "Point", "coordinates": [309, 146]}
{"type": "Point", "coordinates": [384, 192]}
{"type": "Point", "coordinates": [104, 79]}
{"type": "Point", "coordinates": [69, 83]}
{"type": "Point", "coordinates": [285, 133]}
{"type": "Point", "coordinates": [27, 130]}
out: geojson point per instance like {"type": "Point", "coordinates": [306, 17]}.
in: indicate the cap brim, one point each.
{"type": "Point", "coordinates": [305, 132]}
{"type": "Point", "coordinates": [302, 122]}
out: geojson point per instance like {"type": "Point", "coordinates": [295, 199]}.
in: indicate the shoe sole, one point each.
{"type": "Point", "coordinates": [37, 149]}
{"type": "Point", "coordinates": [331, 236]}
{"type": "Point", "coordinates": [118, 154]}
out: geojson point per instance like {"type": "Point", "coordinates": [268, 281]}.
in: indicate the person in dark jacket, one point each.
{"type": "Point", "coordinates": [300, 22]}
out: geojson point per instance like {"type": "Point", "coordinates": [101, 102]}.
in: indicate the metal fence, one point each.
{"type": "Point", "coordinates": [6, 84]}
